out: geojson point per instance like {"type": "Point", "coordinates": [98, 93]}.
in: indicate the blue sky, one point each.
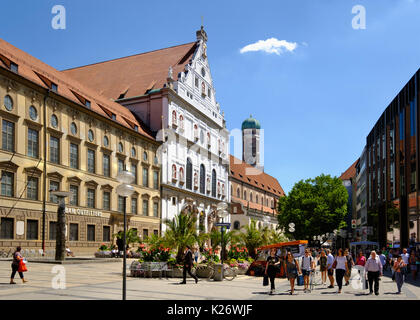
{"type": "Point", "coordinates": [316, 103]}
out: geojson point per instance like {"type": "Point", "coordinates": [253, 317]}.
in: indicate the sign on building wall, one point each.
{"type": "Point", "coordinates": [83, 212]}
{"type": "Point", "coordinates": [20, 228]}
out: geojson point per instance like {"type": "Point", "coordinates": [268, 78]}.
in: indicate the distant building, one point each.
{"type": "Point", "coordinates": [360, 233]}
{"type": "Point", "coordinates": [254, 193]}
{"type": "Point", "coordinates": [348, 178]}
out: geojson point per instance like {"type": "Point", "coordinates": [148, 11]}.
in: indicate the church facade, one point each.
{"type": "Point", "coordinates": [171, 91]}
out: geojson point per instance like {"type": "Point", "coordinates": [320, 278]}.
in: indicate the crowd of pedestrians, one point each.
{"type": "Point", "coordinates": [338, 267]}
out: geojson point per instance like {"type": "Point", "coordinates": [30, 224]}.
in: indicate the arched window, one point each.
{"type": "Point", "coordinates": [250, 197]}
{"type": "Point", "coordinates": [213, 183]}
{"type": "Point", "coordinates": [181, 121]}
{"type": "Point", "coordinates": [202, 179]}
{"type": "Point", "coordinates": [174, 172]}
{"type": "Point", "coordinates": [231, 190]}
{"type": "Point", "coordinates": [267, 202]}
{"type": "Point", "coordinates": [174, 118]}
{"type": "Point", "coordinates": [262, 200]}
{"type": "Point", "coordinates": [272, 203]}
{"type": "Point", "coordinates": [181, 174]}
{"type": "Point", "coordinates": [189, 174]}
{"type": "Point", "coordinates": [236, 225]}
{"type": "Point", "coordinates": [244, 195]}
{"type": "Point", "coordinates": [256, 198]}
{"type": "Point", "coordinates": [238, 193]}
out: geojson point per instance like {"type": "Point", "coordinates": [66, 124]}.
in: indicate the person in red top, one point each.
{"type": "Point", "coordinates": [361, 259]}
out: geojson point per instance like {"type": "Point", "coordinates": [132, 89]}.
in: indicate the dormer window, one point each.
{"type": "Point", "coordinates": [114, 116]}
{"type": "Point", "coordinates": [87, 104]}
{"type": "Point", "coordinates": [54, 87]}
{"type": "Point", "coordinates": [136, 128]}
{"type": "Point", "coordinates": [14, 67]}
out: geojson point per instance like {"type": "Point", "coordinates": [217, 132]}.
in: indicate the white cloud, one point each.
{"type": "Point", "coordinates": [271, 45]}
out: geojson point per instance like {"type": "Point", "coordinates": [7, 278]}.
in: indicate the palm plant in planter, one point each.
{"type": "Point", "coordinates": [180, 233]}
{"type": "Point", "coordinates": [251, 238]}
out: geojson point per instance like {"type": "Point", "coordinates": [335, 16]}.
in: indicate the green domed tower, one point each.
{"type": "Point", "coordinates": [251, 142]}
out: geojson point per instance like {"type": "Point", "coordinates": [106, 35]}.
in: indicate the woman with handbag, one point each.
{"type": "Point", "coordinates": [271, 269]}
{"type": "Point", "coordinates": [18, 266]}
{"type": "Point", "coordinates": [292, 270]}
{"type": "Point", "coordinates": [399, 277]}
{"type": "Point", "coordinates": [341, 268]}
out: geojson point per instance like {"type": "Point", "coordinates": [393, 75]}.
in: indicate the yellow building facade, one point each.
{"type": "Point", "coordinates": [84, 142]}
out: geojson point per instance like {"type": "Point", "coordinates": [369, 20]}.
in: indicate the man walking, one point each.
{"type": "Point", "coordinates": [330, 261]}
{"type": "Point", "coordinates": [308, 264]}
{"type": "Point", "coordinates": [188, 262]}
{"type": "Point", "coordinates": [373, 267]}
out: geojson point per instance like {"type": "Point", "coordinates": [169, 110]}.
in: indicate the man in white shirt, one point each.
{"type": "Point", "coordinates": [405, 256]}
{"type": "Point", "coordinates": [330, 261]}
{"type": "Point", "coordinates": [373, 267]}
{"type": "Point", "coordinates": [308, 264]}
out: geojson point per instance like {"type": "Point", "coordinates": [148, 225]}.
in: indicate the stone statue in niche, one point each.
{"type": "Point", "coordinates": [203, 88]}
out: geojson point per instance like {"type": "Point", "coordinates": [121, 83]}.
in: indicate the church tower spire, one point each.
{"type": "Point", "coordinates": [251, 142]}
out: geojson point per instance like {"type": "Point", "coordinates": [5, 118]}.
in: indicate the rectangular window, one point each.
{"type": "Point", "coordinates": [54, 186]}
{"type": "Point", "coordinates": [32, 188]}
{"type": "Point", "coordinates": [54, 149]}
{"type": "Point", "coordinates": [134, 205]}
{"type": "Point", "coordinates": [74, 198]}
{"type": "Point", "coordinates": [106, 200]}
{"type": "Point", "coordinates": [53, 230]}
{"type": "Point", "coordinates": [32, 143]}
{"type": "Point", "coordinates": [91, 160]}
{"type": "Point", "coordinates": [145, 177]}
{"type": "Point", "coordinates": [6, 228]}
{"type": "Point", "coordinates": [120, 165]}
{"type": "Point", "coordinates": [145, 234]}
{"type": "Point", "coordinates": [413, 118]}
{"type": "Point", "coordinates": [14, 67]}
{"type": "Point", "coordinates": [32, 230]}
{"type": "Point", "coordinates": [106, 166]}
{"type": "Point", "coordinates": [106, 234]}
{"type": "Point", "coordinates": [91, 232]}
{"type": "Point", "coordinates": [120, 204]}
{"type": "Point", "coordinates": [74, 232]}
{"type": "Point", "coordinates": [145, 207]}
{"type": "Point", "coordinates": [54, 87]}
{"type": "Point", "coordinates": [155, 209]}
{"type": "Point", "coordinates": [402, 124]}
{"type": "Point", "coordinates": [155, 179]}
{"type": "Point", "coordinates": [134, 171]}
{"type": "Point", "coordinates": [91, 198]}
{"type": "Point", "coordinates": [74, 156]}
{"type": "Point", "coordinates": [156, 232]}
{"type": "Point", "coordinates": [7, 184]}
{"type": "Point", "coordinates": [8, 136]}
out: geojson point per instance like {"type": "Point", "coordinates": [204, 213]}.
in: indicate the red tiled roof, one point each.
{"type": "Point", "coordinates": [134, 75]}
{"type": "Point", "coordinates": [252, 205]}
{"type": "Point", "coordinates": [350, 172]}
{"type": "Point", "coordinates": [259, 180]}
{"type": "Point", "coordinates": [38, 72]}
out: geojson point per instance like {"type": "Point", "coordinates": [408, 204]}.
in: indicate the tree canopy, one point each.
{"type": "Point", "coordinates": [316, 206]}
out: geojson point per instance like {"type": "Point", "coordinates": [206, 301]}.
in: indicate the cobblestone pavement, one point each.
{"type": "Point", "coordinates": [104, 281]}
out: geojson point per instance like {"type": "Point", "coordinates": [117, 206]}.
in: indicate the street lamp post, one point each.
{"type": "Point", "coordinates": [124, 190]}
{"type": "Point", "coordinates": [223, 213]}
{"type": "Point", "coordinates": [60, 242]}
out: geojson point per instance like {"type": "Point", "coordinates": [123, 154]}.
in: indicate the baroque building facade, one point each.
{"type": "Point", "coordinates": [171, 90]}
{"type": "Point", "coordinates": [57, 134]}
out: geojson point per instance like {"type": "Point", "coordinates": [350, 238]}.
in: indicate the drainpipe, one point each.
{"type": "Point", "coordinates": [45, 173]}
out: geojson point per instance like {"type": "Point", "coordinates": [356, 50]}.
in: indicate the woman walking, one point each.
{"type": "Point", "coordinates": [350, 264]}
{"type": "Point", "coordinates": [413, 267]}
{"type": "Point", "coordinates": [399, 277]}
{"type": "Point", "coordinates": [271, 269]}
{"type": "Point", "coordinates": [17, 257]}
{"type": "Point", "coordinates": [323, 267]}
{"type": "Point", "coordinates": [361, 259]}
{"type": "Point", "coordinates": [340, 269]}
{"type": "Point", "coordinates": [292, 270]}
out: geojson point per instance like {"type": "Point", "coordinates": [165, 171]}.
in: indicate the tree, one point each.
{"type": "Point", "coordinates": [316, 206]}
{"type": "Point", "coordinates": [180, 233]}
{"type": "Point", "coordinates": [229, 237]}
{"type": "Point", "coordinates": [251, 238]}
{"type": "Point", "coordinates": [154, 241]}
{"type": "Point", "coordinates": [131, 236]}
{"type": "Point", "coordinates": [276, 236]}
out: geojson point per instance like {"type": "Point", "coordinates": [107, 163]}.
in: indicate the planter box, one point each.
{"type": "Point", "coordinates": [103, 254]}
{"type": "Point", "coordinates": [148, 269]}
{"type": "Point", "coordinates": [202, 271]}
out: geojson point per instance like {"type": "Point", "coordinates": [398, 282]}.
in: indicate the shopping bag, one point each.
{"type": "Point", "coordinates": [265, 280]}
{"type": "Point", "coordinates": [22, 266]}
{"type": "Point", "coordinates": [300, 280]}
